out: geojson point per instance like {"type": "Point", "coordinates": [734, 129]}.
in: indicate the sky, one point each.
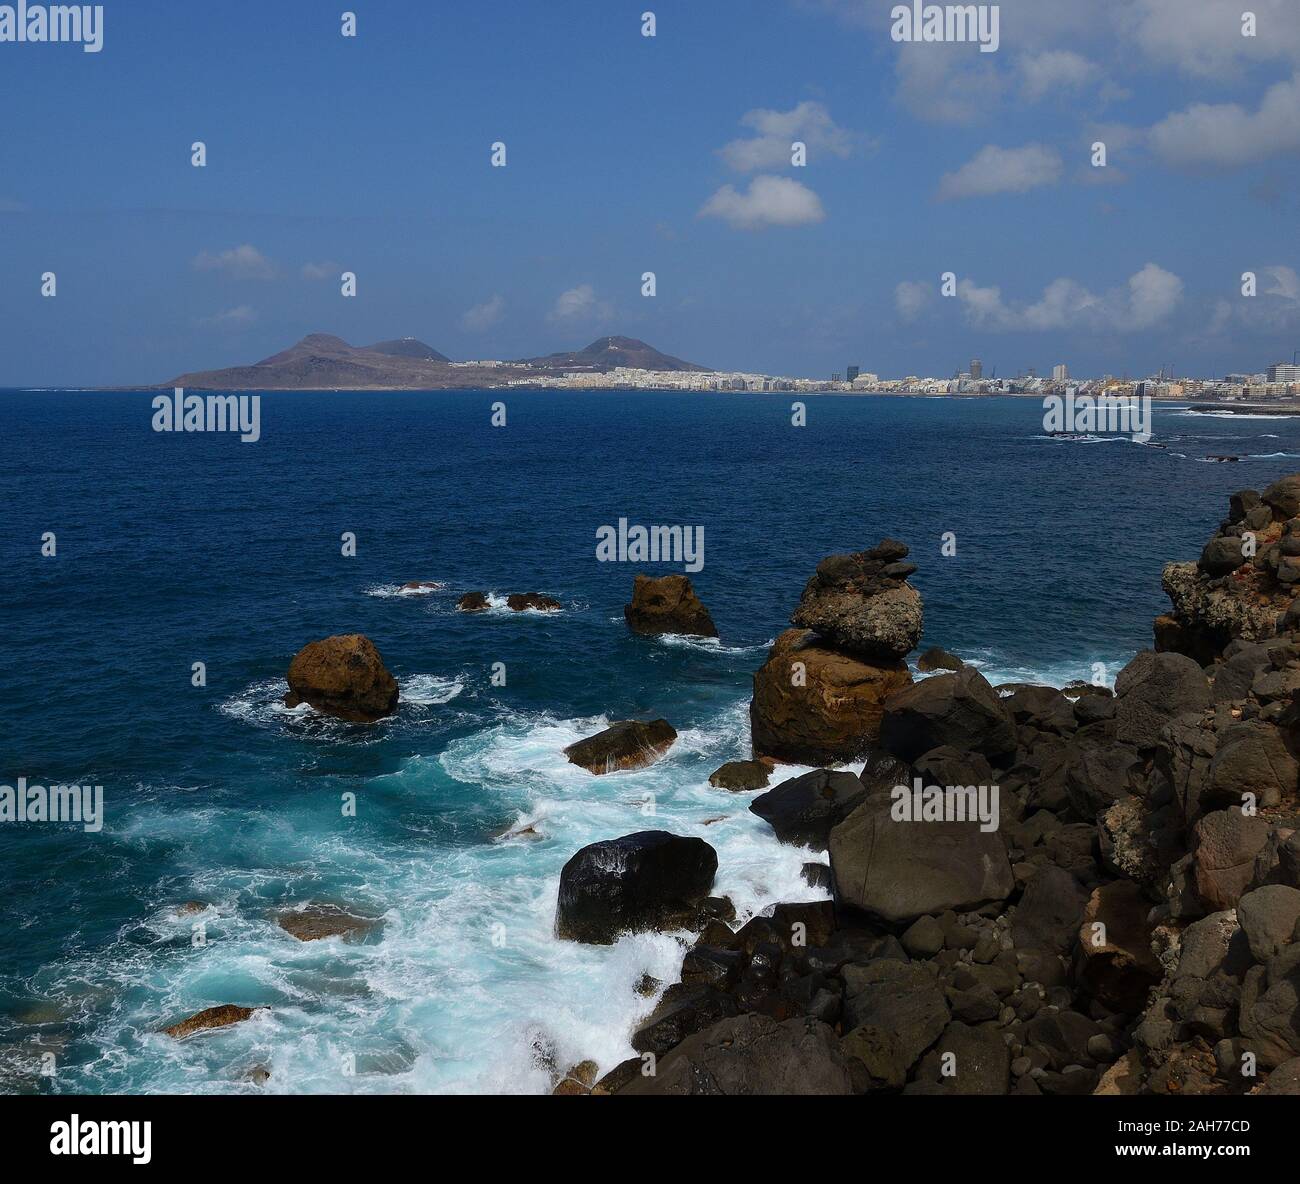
{"type": "Point", "coordinates": [670, 154]}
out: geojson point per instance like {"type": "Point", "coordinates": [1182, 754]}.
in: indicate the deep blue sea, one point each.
{"type": "Point", "coordinates": [181, 548]}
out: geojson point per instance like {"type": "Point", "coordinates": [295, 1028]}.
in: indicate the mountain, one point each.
{"type": "Point", "coordinates": [407, 347]}
{"type": "Point", "coordinates": [321, 361]}
{"type": "Point", "coordinates": [606, 353]}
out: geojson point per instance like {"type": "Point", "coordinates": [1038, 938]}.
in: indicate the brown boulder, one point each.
{"type": "Point", "coordinates": [473, 602]}
{"type": "Point", "coordinates": [826, 713]}
{"type": "Point", "coordinates": [740, 776]}
{"type": "Point", "coordinates": [1115, 963]}
{"type": "Point", "coordinates": [667, 604]}
{"type": "Point", "coordinates": [343, 676]}
{"type": "Point", "coordinates": [522, 601]}
{"type": "Point", "coordinates": [221, 1016]}
{"type": "Point", "coordinates": [318, 921]}
{"type": "Point", "coordinates": [628, 744]}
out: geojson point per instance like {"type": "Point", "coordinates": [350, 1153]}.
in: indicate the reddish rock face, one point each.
{"type": "Point", "coordinates": [667, 605]}
{"type": "Point", "coordinates": [826, 712]}
{"type": "Point", "coordinates": [342, 676]}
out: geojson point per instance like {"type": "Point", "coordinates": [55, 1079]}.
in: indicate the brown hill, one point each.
{"type": "Point", "coordinates": [606, 353]}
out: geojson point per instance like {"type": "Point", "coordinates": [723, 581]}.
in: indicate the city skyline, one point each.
{"type": "Point", "coordinates": [949, 204]}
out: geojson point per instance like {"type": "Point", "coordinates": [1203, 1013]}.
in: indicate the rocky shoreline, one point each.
{"type": "Point", "coordinates": [1034, 891]}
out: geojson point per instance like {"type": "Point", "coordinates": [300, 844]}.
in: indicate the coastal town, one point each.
{"type": "Point", "coordinates": [1276, 381]}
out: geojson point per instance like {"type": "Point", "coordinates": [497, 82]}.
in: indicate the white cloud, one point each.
{"type": "Point", "coordinates": [769, 201]}
{"type": "Point", "coordinates": [1275, 310]}
{"type": "Point", "coordinates": [1054, 71]}
{"type": "Point", "coordinates": [1003, 170]}
{"type": "Point", "coordinates": [243, 262]}
{"type": "Point", "coordinates": [1226, 135]}
{"type": "Point", "coordinates": [232, 318]}
{"type": "Point", "coordinates": [910, 297]}
{"type": "Point", "coordinates": [483, 316]}
{"type": "Point", "coordinates": [945, 82]}
{"type": "Point", "coordinates": [580, 304]}
{"type": "Point", "coordinates": [808, 122]}
{"type": "Point", "coordinates": [1149, 297]}
{"type": "Point", "coordinates": [1204, 38]}
{"type": "Point", "coordinates": [320, 271]}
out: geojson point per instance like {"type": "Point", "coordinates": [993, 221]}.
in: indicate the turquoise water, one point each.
{"type": "Point", "coordinates": [174, 549]}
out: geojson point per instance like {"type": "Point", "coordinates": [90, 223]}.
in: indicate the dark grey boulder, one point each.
{"type": "Point", "coordinates": [1154, 689]}
{"type": "Point", "coordinates": [752, 1055]}
{"type": "Point", "coordinates": [902, 998]}
{"type": "Point", "coordinates": [960, 709]}
{"type": "Point", "coordinates": [647, 880]}
{"type": "Point", "coordinates": [803, 809]}
{"type": "Point", "coordinates": [899, 871]}
{"type": "Point", "coordinates": [1269, 915]}
{"type": "Point", "coordinates": [1050, 912]}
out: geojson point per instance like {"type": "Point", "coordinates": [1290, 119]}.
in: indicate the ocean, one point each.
{"type": "Point", "coordinates": [174, 549]}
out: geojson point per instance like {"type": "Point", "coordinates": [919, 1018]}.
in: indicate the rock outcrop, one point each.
{"type": "Point", "coordinates": [819, 697]}
{"type": "Point", "coordinates": [647, 880]}
{"type": "Point", "coordinates": [628, 744]}
{"type": "Point", "coordinates": [1127, 923]}
{"type": "Point", "coordinates": [221, 1016]}
{"type": "Point", "coordinates": [667, 604]}
{"type": "Point", "coordinates": [342, 676]}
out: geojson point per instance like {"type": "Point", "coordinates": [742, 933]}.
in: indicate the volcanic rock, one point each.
{"type": "Point", "coordinates": [221, 1016]}
{"type": "Point", "coordinates": [474, 602]}
{"type": "Point", "coordinates": [752, 1054]}
{"type": "Point", "coordinates": [803, 809]}
{"type": "Point", "coordinates": [628, 744]}
{"type": "Point", "coordinates": [813, 705]}
{"type": "Point", "coordinates": [898, 871]}
{"type": "Point", "coordinates": [959, 709]}
{"type": "Point", "coordinates": [667, 604]}
{"type": "Point", "coordinates": [855, 607]}
{"type": "Point", "coordinates": [342, 676]}
{"type": "Point", "coordinates": [532, 601]}
{"type": "Point", "coordinates": [647, 880]}
{"type": "Point", "coordinates": [317, 921]}
{"type": "Point", "coordinates": [739, 776]}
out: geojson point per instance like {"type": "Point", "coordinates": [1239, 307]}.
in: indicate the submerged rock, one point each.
{"type": "Point", "coordinates": [739, 776]}
{"type": "Point", "coordinates": [667, 604]}
{"type": "Point", "coordinates": [647, 880]}
{"type": "Point", "coordinates": [318, 921]}
{"type": "Point", "coordinates": [938, 659]}
{"type": "Point", "coordinates": [342, 676]}
{"type": "Point", "coordinates": [419, 587]}
{"type": "Point", "coordinates": [532, 601]}
{"type": "Point", "coordinates": [628, 744]}
{"type": "Point", "coordinates": [221, 1016]}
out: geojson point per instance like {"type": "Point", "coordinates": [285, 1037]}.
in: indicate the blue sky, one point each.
{"type": "Point", "coordinates": [669, 154]}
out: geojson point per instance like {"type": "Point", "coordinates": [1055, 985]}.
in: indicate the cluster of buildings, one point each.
{"type": "Point", "coordinates": [1279, 381]}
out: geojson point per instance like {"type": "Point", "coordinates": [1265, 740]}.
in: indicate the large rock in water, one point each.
{"type": "Point", "coordinates": [221, 1016]}
{"type": "Point", "coordinates": [628, 744]}
{"type": "Point", "coordinates": [647, 880]}
{"type": "Point", "coordinates": [960, 709]}
{"type": "Point", "coordinates": [803, 809]}
{"type": "Point", "coordinates": [343, 676]}
{"type": "Point", "coordinates": [861, 604]}
{"type": "Point", "coordinates": [815, 706]}
{"type": "Point", "coordinates": [899, 871]}
{"type": "Point", "coordinates": [667, 604]}
{"type": "Point", "coordinates": [752, 1055]}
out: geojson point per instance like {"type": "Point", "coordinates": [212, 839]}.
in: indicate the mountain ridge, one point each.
{"type": "Point", "coordinates": [323, 361]}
